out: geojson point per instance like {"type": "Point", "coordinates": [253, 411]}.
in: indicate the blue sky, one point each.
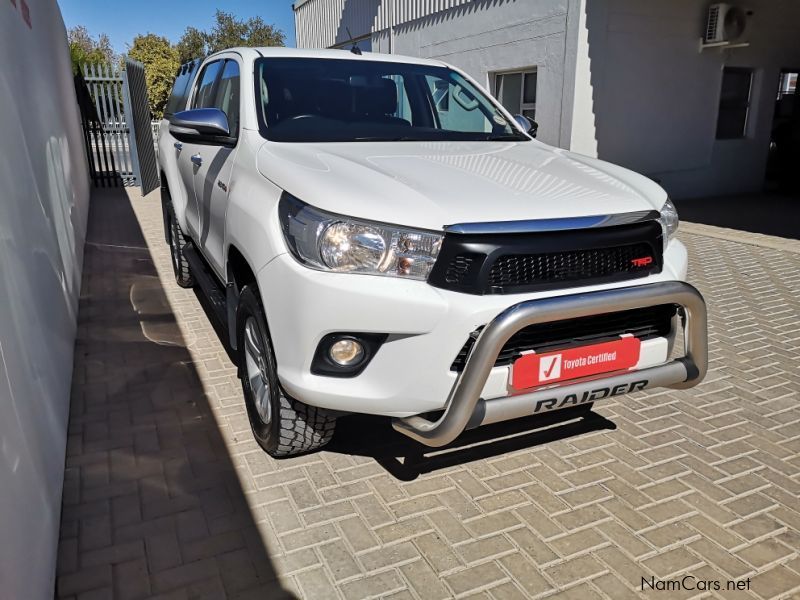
{"type": "Point", "coordinates": [123, 20]}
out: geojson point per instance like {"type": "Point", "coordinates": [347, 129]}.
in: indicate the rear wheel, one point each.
{"type": "Point", "coordinates": [281, 425]}
{"type": "Point", "coordinates": [177, 241]}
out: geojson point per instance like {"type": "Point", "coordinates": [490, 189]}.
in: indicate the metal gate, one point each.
{"type": "Point", "coordinates": [116, 125]}
{"type": "Point", "coordinates": [143, 151]}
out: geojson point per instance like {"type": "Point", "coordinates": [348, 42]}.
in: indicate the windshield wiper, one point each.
{"type": "Point", "coordinates": [506, 137]}
{"type": "Point", "coordinates": [376, 138]}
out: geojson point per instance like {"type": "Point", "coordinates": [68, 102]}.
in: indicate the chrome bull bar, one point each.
{"type": "Point", "coordinates": [465, 409]}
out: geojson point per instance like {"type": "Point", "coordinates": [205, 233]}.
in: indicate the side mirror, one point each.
{"type": "Point", "coordinates": [528, 126]}
{"type": "Point", "coordinates": [209, 125]}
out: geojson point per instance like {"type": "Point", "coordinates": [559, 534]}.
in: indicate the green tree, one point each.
{"type": "Point", "coordinates": [228, 31]}
{"type": "Point", "coordinates": [84, 49]}
{"type": "Point", "coordinates": [191, 45]}
{"type": "Point", "coordinates": [161, 62]}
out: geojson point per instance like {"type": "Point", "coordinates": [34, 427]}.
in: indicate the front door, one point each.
{"type": "Point", "coordinates": [189, 156]}
{"type": "Point", "coordinates": [212, 176]}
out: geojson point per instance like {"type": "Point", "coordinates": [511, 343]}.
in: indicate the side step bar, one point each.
{"type": "Point", "coordinates": [207, 280]}
{"type": "Point", "coordinates": [465, 409]}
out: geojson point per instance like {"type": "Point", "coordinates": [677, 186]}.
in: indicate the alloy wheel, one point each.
{"type": "Point", "coordinates": [257, 374]}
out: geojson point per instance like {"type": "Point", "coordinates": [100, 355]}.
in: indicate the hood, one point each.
{"type": "Point", "coordinates": [430, 185]}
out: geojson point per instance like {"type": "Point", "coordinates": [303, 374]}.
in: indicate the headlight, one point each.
{"type": "Point", "coordinates": [669, 221]}
{"type": "Point", "coordinates": [332, 242]}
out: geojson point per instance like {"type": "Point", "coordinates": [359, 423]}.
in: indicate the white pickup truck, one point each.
{"type": "Point", "coordinates": [377, 234]}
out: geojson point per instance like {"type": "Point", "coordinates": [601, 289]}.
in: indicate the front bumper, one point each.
{"type": "Point", "coordinates": [466, 409]}
{"type": "Point", "coordinates": [427, 328]}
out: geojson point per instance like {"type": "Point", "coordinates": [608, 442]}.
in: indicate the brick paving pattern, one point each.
{"type": "Point", "coordinates": [167, 495]}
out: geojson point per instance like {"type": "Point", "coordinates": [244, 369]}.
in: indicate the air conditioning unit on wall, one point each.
{"type": "Point", "coordinates": [725, 23]}
{"type": "Point", "coordinates": [725, 27]}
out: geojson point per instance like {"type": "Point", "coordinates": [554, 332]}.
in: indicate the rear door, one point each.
{"type": "Point", "coordinates": [212, 175]}
{"type": "Point", "coordinates": [169, 149]}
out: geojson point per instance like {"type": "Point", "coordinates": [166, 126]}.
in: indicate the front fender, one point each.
{"type": "Point", "coordinates": [251, 222]}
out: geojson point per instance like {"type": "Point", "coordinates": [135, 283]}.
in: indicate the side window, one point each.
{"type": "Point", "coordinates": [440, 94]}
{"type": "Point", "coordinates": [180, 89]}
{"type": "Point", "coordinates": [228, 95]}
{"type": "Point", "coordinates": [204, 93]}
{"type": "Point", "coordinates": [463, 113]}
{"type": "Point", "coordinates": [403, 109]}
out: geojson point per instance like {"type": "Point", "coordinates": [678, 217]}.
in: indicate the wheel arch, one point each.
{"type": "Point", "coordinates": [238, 273]}
{"type": "Point", "coordinates": [238, 270]}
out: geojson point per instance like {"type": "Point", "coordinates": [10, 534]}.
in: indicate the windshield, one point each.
{"type": "Point", "coordinates": [332, 100]}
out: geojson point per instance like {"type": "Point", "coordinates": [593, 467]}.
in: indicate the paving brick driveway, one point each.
{"type": "Point", "coordinates": [167, 494]}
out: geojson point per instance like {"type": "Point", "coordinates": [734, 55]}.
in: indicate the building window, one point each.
{"type": "Point", "coordinates": [516, 91]}
{"type": "Point", "coordinates": [734, 103]}
{"type": "Point", "coordinates": [787, 84]}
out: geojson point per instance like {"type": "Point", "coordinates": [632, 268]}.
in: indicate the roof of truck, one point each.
{"type": "Point", "coordinates": [344, 53]}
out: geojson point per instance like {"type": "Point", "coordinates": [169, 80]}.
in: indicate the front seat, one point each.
{"type": "Point", "coordinates": [378, 102]}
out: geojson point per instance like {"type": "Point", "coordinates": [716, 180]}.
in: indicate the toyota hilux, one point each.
{"type": "Point", "coordinates": [377, 234]}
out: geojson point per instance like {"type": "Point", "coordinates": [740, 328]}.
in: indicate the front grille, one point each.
{"type": "Point", "coordinates": [458, 268]}
{"type": "Point", "coordinates": [577, 265]}
{"type": "Point", "coordinates": [643, 323]}
{"type": "Point", "coordinates": [531, 262]}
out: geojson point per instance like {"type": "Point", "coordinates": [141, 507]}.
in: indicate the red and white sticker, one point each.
{"type": "Point", "coordinates": [531, 370]}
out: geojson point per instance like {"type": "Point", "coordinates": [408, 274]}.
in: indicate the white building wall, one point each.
{"type": "Point", "coordinates": [655, 96]}
{"type": "Point", "coordinates": [623, 80]}
{"type": "Point", "coordinates": [43, 211]}
{"type": "Point", "coordinates": [579, 131]}
{"type": "Point", "coordinates": [324, 23]}
{"type": "Point", "coordinates": [479, 36]}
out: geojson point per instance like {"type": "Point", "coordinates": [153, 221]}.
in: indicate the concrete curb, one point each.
{"type": "Point", "coordinates": [742, 237]}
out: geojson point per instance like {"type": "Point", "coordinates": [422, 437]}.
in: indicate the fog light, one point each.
{"type": "Point", "coordinates": [346, 352]}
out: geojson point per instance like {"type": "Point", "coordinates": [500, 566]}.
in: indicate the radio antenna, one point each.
{"type": "Point", "coordinates": [355, 49]}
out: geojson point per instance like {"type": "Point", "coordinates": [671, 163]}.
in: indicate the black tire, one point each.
{"type": "Point", "coordinates": [176, 240]}
{"type": "Point", "coordinates": [292, 427]}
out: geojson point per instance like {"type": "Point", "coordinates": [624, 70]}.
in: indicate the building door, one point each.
{"type": "Point", "coordinates": [784, 147]}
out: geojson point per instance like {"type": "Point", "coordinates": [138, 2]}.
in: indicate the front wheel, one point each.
{"type": "Point", "coordinates": [281, 425]}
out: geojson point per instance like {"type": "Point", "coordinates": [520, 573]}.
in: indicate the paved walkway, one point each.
{"type": "Point", "coordinates": [166, 494]}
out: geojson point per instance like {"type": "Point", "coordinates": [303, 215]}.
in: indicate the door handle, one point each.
{"type": "Point", "coordinates": [197, 159]}
{"type": "Point", "coordinates": [178, 146]}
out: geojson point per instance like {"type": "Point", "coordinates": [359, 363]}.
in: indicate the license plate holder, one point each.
{"type": "Point", "coordinates": [534, 370]}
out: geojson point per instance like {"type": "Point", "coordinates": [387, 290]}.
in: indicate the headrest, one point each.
{"type": "Point", "coordinates": [334, 98]}
{"type": "Point", "coordinates": [379, 97]}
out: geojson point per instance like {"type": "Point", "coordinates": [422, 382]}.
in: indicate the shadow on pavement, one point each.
{"type": "Point", "coordinates": [406, 459]}
{"type": "Point", "coordinates": [152, 503]}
